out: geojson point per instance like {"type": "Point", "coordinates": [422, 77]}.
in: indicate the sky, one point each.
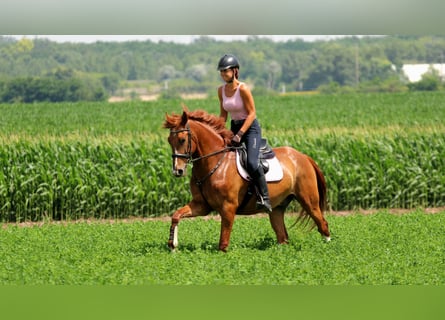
{"type": "Point", "coordinates": [168, 38]}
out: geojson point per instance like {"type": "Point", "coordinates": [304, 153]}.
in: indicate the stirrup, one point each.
{"type": "Point", "coordinates": [264, 205]}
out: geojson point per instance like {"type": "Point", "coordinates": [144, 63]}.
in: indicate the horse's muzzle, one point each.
{"type": "Point", "coordinates": [178, 172]}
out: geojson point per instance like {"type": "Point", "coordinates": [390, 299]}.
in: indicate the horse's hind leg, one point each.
{"type": "Point", "coordinates": [322, 225]}
{"type": "Point", "coordinates": [276, 219]}
{"type": "Point", "coordinates": [310, 205]}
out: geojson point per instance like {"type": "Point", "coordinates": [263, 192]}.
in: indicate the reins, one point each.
{"type": "Point", "coordinates": [211, 154]}
{"type": "Point", "coordinates": [199, 182]}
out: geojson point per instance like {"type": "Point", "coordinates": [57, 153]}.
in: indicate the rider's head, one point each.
{"type": "Point", "coordinates": [229, 61]}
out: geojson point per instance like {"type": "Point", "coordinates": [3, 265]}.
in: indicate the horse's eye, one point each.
{"type": "Point", "coordinates": [182, 141]}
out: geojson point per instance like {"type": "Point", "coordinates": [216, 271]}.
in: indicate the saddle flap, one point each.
{"type": "Point", "coordinates": [271, 166]}
{"type": "Point", "coordinates": [266, 151]}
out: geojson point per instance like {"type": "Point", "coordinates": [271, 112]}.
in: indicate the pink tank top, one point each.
{"type": "Point", "coordinates": [234, 105]}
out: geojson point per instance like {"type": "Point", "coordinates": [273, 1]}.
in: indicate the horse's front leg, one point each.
{"type": "Point", "coordinates": [191, 210]}
{"type": "Point", "coordinates": [173, 239]}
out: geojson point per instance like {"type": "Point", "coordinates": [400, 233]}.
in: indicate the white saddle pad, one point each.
{"type": "Point", "coordinates": [275, 172]}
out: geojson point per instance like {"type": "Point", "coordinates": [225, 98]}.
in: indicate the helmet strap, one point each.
{"type": "Point", "coordinates": [234, 75]}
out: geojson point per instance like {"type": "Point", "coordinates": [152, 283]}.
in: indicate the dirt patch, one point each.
{"type": "Point", "coordinates": [187, 96]}
{"type": "Point", "coordinates": [154, 97]}
{"type": "Point", "coordinates": [215, 217]}
{"type": "Point", "coordinates": [116, 99]}
{"type": "Point", "coordinates": [144, 97]}
{"type": "Point", "coordinates": [392, 211]}
{"type": "Point", "coordinates": [149, 97]}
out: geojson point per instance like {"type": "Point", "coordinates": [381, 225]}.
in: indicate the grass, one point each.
{"type": "Point", "coordinates": [373, 249]}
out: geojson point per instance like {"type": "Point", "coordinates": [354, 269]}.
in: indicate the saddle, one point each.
{"type": "Point", "coordinates": [272, 169]}
{"type": "Point", "coordinates": [266, 153]}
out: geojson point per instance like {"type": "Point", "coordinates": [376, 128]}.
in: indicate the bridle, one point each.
{"type": "Point", "coordinates": [189, 157]}
{"type": "Point", "coordinates": [188, 154]}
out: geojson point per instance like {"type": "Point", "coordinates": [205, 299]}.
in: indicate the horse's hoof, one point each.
{"type": "Point", "coordinates": [172, 248]}
{"type": "Point", "coordinates": [171, 245]}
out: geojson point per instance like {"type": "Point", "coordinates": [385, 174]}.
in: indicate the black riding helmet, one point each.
{"type": "Point", "coordinates": [228, 61]}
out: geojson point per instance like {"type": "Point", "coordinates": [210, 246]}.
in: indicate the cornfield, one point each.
{"type": "Point", "coordinates": [99, 160]}
{"type": "Point", "coordinates": [57, 180]}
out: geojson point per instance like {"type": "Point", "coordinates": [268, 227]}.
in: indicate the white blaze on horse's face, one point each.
{"type": "Point", "coordinates": [179, 167]}
{"type": "Point", "coordinates": [178, 140]}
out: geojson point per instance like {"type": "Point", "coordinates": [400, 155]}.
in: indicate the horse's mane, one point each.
{"type": "Point", "coordinates": [215, 122]}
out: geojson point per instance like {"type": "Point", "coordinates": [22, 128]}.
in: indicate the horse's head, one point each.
{"type": "Point", "coordinates": [180, 140]}
{"type": "Point", "coordinates": [209, 136]}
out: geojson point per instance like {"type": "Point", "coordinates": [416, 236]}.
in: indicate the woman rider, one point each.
{"type": "Point", "coordinates": [236, 98]}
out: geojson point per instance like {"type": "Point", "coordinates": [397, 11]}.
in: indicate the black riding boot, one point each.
{"type": "Point", "coordinates": [263, 200]}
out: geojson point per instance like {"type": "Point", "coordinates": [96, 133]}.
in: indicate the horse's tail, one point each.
{"type": "Point", "coordinates": [321, 184]}
{"type": "Point", "coordinates": [303, 216]}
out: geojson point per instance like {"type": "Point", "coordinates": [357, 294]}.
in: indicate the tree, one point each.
{"type": "Point", "coordinates": [167, 72]}
{"type": "Point", "coordinates": [28, 90]}
{"type": "Point", "coordinates": [296, 70]}
{"type": "Point", "coordinates": [273, 69]}
{"type": "Point", "coordinates": [110, 82]}
{"type": "Point", "coordinates": [197, 72]}
{"type": "Point", "coordinates": [24, 45]}
{"type": "Point", "coordinates": [61, 73]}
{"type": "Point", "coordinates": [297, 64]}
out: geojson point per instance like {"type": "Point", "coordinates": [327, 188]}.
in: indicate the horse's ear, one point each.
{"type": "Point", "coordinates": [184, 107]}
{"type": "Point", "coordinates": [184, 118]}
{"type": "Point", "coordinates": [184, 114]}
{"type": "Point", "coordinates": [167, 121]}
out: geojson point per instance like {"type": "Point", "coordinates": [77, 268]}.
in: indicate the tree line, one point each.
{"type": "Point", "coordinates": [43, 70]}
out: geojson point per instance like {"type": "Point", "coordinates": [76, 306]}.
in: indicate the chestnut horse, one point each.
{"type": "Point", "coordinates": [202, 139]}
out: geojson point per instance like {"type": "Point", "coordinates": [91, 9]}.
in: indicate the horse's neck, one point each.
{"type": "Point", "coordinates": [207, 139]}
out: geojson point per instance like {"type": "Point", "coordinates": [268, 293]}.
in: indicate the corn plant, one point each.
{"type": "Point", "coordinates": [99, 160]}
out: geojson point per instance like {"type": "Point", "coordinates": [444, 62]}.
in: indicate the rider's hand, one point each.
{"type": "Point", "coordinates": [236, 140]}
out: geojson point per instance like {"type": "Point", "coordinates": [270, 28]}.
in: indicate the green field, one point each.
{"type": "Point", "coordinates": [99, 160]}
{"type": "Point", "coordinates": [72, 167]}
{"type": "Point", "coordinates": [378, 249]}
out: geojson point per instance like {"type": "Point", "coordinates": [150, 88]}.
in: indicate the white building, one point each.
{"type": "Point", "coordinates": [414, 72]}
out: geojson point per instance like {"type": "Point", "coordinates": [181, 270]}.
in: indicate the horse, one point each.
{"type": "Point", "coordinates": [203, 140]}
